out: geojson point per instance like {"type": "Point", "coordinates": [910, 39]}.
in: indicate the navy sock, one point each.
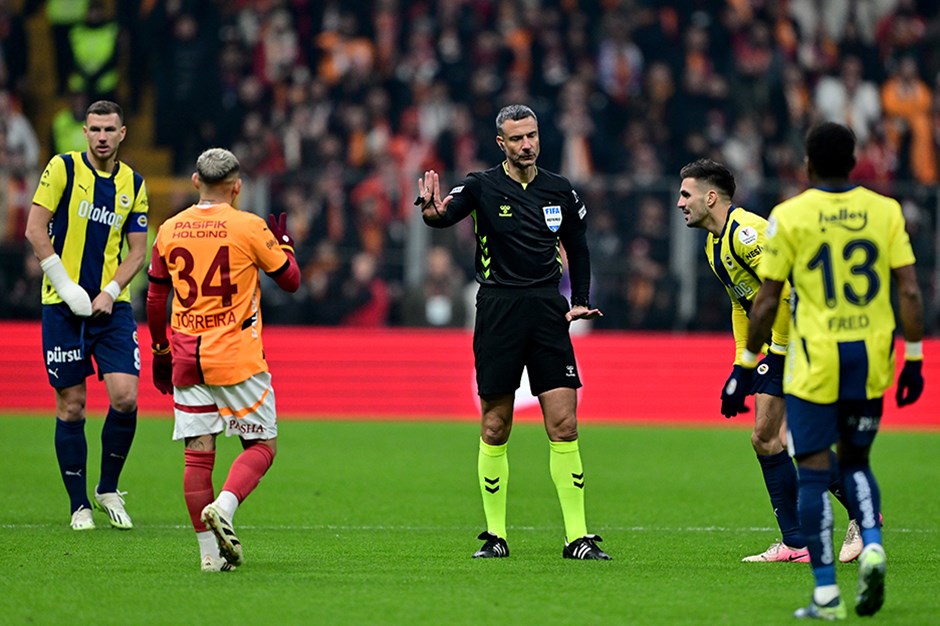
{"type": "Point", "coordinates": [116, 438]}
{"type": "Point", "coordinates": [835, 481]}
{"type": "Point", "coordinates": [816, 523]}
{"type": "Point", "coordinates": [864, 498]}
{"type": "Point", "coordinates": [71, 450]}
{"type": "Point", "coordinates": [780, 479]}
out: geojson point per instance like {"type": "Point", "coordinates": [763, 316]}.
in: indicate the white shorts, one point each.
{"type": "Point", "coordinates": [245, 409]}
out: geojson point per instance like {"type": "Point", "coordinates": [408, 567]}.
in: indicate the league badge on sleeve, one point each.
{"type": "Point", "coordinates": [552, 217]}
{"type": "Point", "coordinates": [747, 235]}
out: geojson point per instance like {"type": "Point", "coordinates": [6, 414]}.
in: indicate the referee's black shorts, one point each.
{"type": "Point", "coordinates": [522, 327]}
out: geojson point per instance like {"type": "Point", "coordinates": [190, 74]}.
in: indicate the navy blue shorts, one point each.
{"type": "Point", "coordinates": [768, 382]}
{"type": "Point", "coordinates": [813, 427]}
{"type": "Point", "coordinates": [70, 342]}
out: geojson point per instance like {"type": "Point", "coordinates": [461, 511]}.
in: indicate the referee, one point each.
{"type": "Point", "coordinates": [520, 215]}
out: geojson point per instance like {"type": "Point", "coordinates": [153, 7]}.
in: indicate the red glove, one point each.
{"type": "Point", "coordinates": [278, 226]}
{"type": "Point", "coordinates": [163, 371]}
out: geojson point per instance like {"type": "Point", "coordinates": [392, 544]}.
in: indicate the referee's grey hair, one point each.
{"type": "Point", "coordinates": [513, 112]}
{"type": "Point", "coordinates": [217, 165]}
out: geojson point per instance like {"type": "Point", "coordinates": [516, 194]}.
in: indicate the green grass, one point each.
{"type": "Point", "coordinates": [374, 523]}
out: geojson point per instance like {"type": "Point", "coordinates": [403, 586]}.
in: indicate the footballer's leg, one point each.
{"type": "Point", "coordinates": [118, 357]}
{"type": "Point", "coordinates": [248, 410]}
{"type": "Point", "coordinates": [816, 521]}
{"type": "Point", "coordinates": [493, 472]}
{"type": "Point", "coordinates": [71, 449]}
{"type": "Point", "coordinates": [117, 434]}
{"type": "Point", "coordinates": [198, 492]}
{"type": "Point", "coordinates": [864, 498]}
{"type": "Point", "coordinates": [779, 478]}
{"type": "Point", "coordinates": [196, 423]}
{"type": "Point", "coordinates": [813, 431]}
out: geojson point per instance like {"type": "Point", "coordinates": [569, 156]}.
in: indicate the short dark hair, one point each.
{"type": "Point", "coordinates": [105, 107]}
{"type": "Point", "coordinates": [513, 112]}
{"type": "Point", "coordinates": [830, 148]}
{"type": "Point", "coordinates": [712, 172]}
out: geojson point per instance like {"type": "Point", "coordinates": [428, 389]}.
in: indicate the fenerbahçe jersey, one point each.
{"type": "Point", "coordinates": [213, 254]}
{"type": "Point", "coordinates": [92, 212]}
{"type": "Point", "coordinates": [838, 248]}
{"type": "Point", "coordinates": [734, 256]}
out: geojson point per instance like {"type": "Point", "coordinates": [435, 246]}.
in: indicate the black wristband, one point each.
{"type": "Point", "coordinates": [579, 301]}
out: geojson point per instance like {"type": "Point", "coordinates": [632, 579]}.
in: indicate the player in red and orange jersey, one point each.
{"type": "Point", "coordinates": [210, 256]}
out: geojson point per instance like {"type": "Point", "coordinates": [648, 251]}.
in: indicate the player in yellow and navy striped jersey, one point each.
{"type": "Point", "coordinates": [840, 245]}
{"type": "Point", "coordinates": [734, 247]}
{"type": "Point", "coordinates": [87, 206]}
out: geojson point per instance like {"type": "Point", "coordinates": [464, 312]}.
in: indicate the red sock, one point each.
{"type": "Point", "coordinates": [247, 470]}
{"type": "Point", "coordinates": [197, 484]}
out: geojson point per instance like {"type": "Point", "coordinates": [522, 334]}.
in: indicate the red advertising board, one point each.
{"type": "Point", "coordinates": [428, 374]}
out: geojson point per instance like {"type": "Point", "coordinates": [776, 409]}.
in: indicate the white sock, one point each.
{"type": "Point", "coordinates": [228, 503]}
{"type": "Point", "coordinates": [825, 594]}
{"type": "Point", "coordinates": [207, 544]}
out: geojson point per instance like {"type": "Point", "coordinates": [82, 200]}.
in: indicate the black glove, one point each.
{"type": "Point", "coordinates": [910, 383]}
{"type": "Point", "coordinates": [769, 374]}
{"type": "Point", "coordinates": [278, 226]}
{"type": "Point", "coordinates": [736, 389]}
{"type": "Point", "coordinates": [163, 372]}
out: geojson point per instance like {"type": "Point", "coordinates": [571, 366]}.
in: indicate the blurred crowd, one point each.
{"type": "Point", "coordinates": [334, 109]}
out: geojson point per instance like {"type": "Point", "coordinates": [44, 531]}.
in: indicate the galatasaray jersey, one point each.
{"type": "Point", "coordinates": [92, 213]}
{"type": "Point", "coordinates": [839, 247]}
{"type": "Point", "coordinates": [734, 256]}
{"type": "Point", "coordinates": [213, 253]}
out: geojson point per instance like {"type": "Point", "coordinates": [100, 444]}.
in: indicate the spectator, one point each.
{"type": "Point", "coordinates": [94, 44]}
{"type": "Point", "coordinates": [68, 125]}
{"type": "Point", "coordinates": [849, 99]}
{"type": "Point", "coordinates": [62, 16]}
{"type": "Point", "coordinates": [908, 106]}
{"type": "Point", "coordinates": [13, 49]}
{"type": "Point", "coordinates": [365, 296]}
{"type": "Point", "coordinates": [438, 301]}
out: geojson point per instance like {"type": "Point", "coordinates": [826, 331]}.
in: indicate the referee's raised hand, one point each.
{"type": "Point", "coordinates": [429, 196]}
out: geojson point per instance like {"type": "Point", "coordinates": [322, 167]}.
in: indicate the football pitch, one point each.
{"type": "Point", "coordinates": [374, 522]}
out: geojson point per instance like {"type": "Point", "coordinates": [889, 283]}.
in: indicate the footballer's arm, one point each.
{"type": "Point", "coordinates": [763, 314]}
{"type": "Point", "coordinates": [910, 303]}
{"type": "Point", "coordinates": [287, 276]}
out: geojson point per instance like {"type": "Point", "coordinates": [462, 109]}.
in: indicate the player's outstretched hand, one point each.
{"type": "Point", "coordinates": [767, 370]}
{"type": "Point", "coordinates": [736, 390]}
{"type": "Point", "coordinates": [163, 373]}
{"type": "Point", "coordinates": [910, 383]}
{"type": "Point", "coordinates": [581, 312]}
{"type": "Point", "coordinates": [278, 226]}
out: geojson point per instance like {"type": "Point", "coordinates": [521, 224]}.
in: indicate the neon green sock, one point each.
{"type": "Point", "coordinates": [568, 476]}
{"type": "Point", "coordinates": [493, 472]}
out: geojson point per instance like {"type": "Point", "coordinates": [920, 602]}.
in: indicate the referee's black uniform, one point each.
{"type": "Point", "coordinates": [520, 319]}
